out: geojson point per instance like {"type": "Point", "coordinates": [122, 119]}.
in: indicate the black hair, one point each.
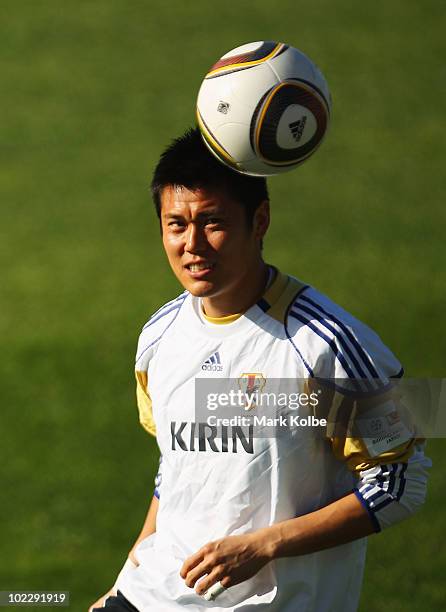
{"type": "Point", "coordinates": [187, 162]}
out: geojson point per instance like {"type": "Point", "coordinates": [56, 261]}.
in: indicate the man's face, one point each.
{"type": "Point", "coordinates": [207, 239]}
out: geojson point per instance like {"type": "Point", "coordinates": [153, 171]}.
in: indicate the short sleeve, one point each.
{"type": "Point", "coordinates": [144, 403]}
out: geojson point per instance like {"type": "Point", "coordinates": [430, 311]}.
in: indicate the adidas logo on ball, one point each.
{"type": "Point", "coordinates": [297, 128]}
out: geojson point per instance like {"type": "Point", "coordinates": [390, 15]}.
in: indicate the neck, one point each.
{"type": "Point", "coordinates": [248, 290]}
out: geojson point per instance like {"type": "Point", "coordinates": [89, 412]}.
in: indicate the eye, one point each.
{"type": "Point", "coordinates": [175, 224]}
{"type": "Point", "coordinates": [214, 221]}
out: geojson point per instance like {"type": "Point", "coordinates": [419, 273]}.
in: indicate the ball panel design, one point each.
{"type": "Point", "coordinates": [299, 98]}
{"type": "Point", "coordinates": [246, 48]}
{"type": "Point", "coordinates": [234, 137]}
{"type": "Point", "coordinates": [235, 62]}
{"type": "Point", "coordinates": [233, 99]}
{"type": "Point", "coordinates": [255, 115]}
{"type": "Point", "coordinates": [215, 147]}
{"type": "Point", "coordinates": [294, 63]}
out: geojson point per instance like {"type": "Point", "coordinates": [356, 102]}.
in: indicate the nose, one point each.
{"type": "Point", "coordinates": [195, 239]}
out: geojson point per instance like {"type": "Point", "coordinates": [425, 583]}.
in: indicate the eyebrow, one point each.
{"type": "Point", "coordinates": [203, 214]}
{"type": "Point", "coordinates": [173, 216]}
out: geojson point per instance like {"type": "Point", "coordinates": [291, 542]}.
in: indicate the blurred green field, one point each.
{"type": "Point", "coordinates": [90, 92]}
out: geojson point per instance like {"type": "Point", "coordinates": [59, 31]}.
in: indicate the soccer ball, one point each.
{"type": "Point", "coordinates": [263, 108]}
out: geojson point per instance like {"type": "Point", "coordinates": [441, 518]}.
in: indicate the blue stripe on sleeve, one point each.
{"type": "Point", "coordinates": [402, 482]}
{"type": "Point", "coordinates": [383, 504]}
{"type": "Point", "coordinates": [337, 334]}
{"type": "Point", "coordinates": [161, 335]}
{"type": "Point", "coordinates": [165, 312]}
{"type": "Point", "coordinates": [179, 297]}
{"type": "Point", "coordinates": [392, 478]}
{"type": "Point", "coordinates": [328, 340]}
{"type": "Point", "coordinates": [387, 496]}
{"type": "Point", "coordinates": [310, 371]}
{"type": "Point", "coordinates": [376, 496]}
{"type": "Point", "coordinates": [365, 358]}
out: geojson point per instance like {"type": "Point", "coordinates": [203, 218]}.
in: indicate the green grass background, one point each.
{"type": "Point", "coordinates": [90, 93]}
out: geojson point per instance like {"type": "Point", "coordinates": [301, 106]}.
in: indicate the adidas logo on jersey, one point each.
{"type": "Point", "coordinates": [213, 363]}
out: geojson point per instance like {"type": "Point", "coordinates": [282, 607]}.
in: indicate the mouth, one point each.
{"type": "Point", "coordinates": [200, 269]}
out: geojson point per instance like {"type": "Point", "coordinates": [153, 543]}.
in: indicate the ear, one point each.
{"type": "Point", "coordinates": [261, 220]}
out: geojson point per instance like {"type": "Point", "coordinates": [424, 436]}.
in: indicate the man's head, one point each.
{"type": "Point", "coordinates": [187, 162]}
{"type": "Point", "coordinates": [212, 221]}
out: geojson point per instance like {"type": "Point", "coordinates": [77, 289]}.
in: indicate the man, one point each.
{"type": "Point", "coordinates": [254, 523]}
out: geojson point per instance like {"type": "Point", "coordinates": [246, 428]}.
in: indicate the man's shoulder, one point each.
{"type": "Point", "coordinates": [334, 343]}
{"type": "Point", "coordinates": [312, 306]}
{"type": "Point", "coordinates": [157, 325]}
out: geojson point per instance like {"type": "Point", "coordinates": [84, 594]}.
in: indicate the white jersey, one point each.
{"type": "Point", "coordinates": [211, 488]}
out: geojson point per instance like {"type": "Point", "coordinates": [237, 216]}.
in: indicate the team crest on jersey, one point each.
{"type": "Point", "coordinates": [251, 384]}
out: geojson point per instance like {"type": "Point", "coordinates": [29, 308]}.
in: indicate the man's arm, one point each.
{"type": "Point", "coordinates": [385, 495]}
{"type": "Point", "coordinates": [234, 559]}
{"type": "Point", "coordinates": [148, 528]}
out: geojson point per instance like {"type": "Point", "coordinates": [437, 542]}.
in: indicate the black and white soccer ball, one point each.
{"type": "Point", "coordinates": [263, 108]}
